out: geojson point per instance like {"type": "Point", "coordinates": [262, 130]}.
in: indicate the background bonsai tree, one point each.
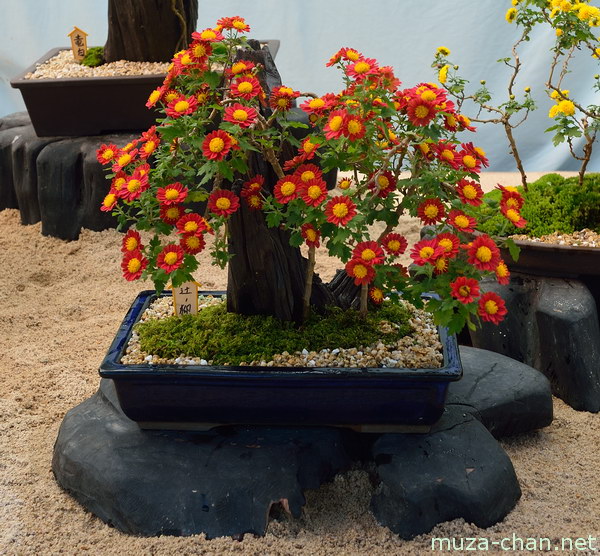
{"type": "Point", "coordinates": [233, 138]}
{"type": "Point", "coordinates": [148, 30]}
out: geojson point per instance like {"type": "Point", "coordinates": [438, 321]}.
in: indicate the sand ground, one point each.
{"type": "Point", "coordinates": [60, 305]}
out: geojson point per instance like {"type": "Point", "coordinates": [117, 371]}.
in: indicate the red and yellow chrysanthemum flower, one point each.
{"type": "Point", "coordinates": [469, 192]}
{"type": "Point", "coordinates": [308, 172]}
{"type": "Point", "coordinates": [354, 127]}
{"type": "Point", "coordinates": [134, 186]}
{"type": "Point", "coordinates": [502, 273]}
{"type": "Point", "coordinates": [461, 221]}
{"type": "Point", "coordinates": [286, 189]}
{"type": "Point", "coordinates": [511, 198]}
{"type": "Point", "coordinates": [311, 235]}
{"type": "Point", "coordinates": [252, 186]}
{"type": "Point", "coordinates": [369, 252]}
{"type": "Point", "coordinates": [170, 214]}
{"type": "Point", "coordinates": [420, 112]}
{"type": "Point", "coordinates": [123, 158]}
{"type": "Point", "coordinates": [109, 201]}
{"type": "Point", "coordinates": [172, 194]}
{"type": "Point", "coordinates": [313, 192]}
{"type": "Point", "coordinates": [235, 23]}
{"type": "Point", "coordinates": [483, 253]}
{"type": "Point", "coordinates": [491, 307]}
{"type": "Point", "coordinates": [170, 258]}
{"type": "Point", "coordinates": [340, 210]}
{"type": "Point", "coordinates": [192, 244]}
{"type": "Point", "coordinates": [282, 98]}
{"type": "Point", "coordinates": [241, 115]}
{"type": "Point", "coordinates": [376, 295]}
{"type": "Point", "coordinates": [131, 242]}
{"type": "Point", "coordinates": [208, 35]}
{"type": "Point", "coordinates": [431, 211]}
{"type": "Point", "coordinates": [344, 183]}
{"type": "Point", "coordinates": [133, 264]}
{"type": "Point", "coordinates": [450, 243]}
{"type": "Point", "coordinates": [216, 145]}
{"type": "Point", "coordinates": [334, 128]}
{"type": "Point", "coordinates": [155, 96]}
{"type": "Point", "coordinates": [446, 152]}
{"type": "Point", "coordinates": [241, 67]}
{"type": "Point", "coordinates": [181, 106]}
{"type": "Point", "coordinates": [361, 272]}
{"type": "Point", "coordinates": [246, 88]}
{"type": "Point", "coordinates": [344, 54]}
{"type": "Point", "coordinates": [107, 153]}
{"type": "Point", "coordinates": [383, 184]}
{"type": "Point", "coordinates": [513, 216]}
{"type": "Point", "coordinates": [192, 224]}
{"type": "Point", "coordinates": [426, 251]}
{"type": "Point", "coordinates": [223, 202]}
{"type": "Point", "coordinates": [361, 68]}
{"type": "Point", "coordinates": [466, 290]}
{"type": "Point", "coordinates": [317, 106]}
{"type": "Point", "coordinates": [394, 244]}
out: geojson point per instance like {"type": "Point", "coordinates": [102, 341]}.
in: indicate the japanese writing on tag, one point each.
{"type": "Point", "coordinates": [185, 298]}
{"type": "Point", "coordinates": [78, 43]}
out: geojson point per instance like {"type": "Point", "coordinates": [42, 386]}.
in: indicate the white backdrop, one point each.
{"type": "Point", "coordinates": [401, 33]}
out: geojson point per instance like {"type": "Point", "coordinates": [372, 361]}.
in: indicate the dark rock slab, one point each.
{"type": "Point", "coordinates": [507, 396]}
{"type": "Point", "coordinates": [57, 180]}
{"type": "Point", "coordinates": [552, 325]}
{"type": "Point", "coordinates": [17, 119]}
{"type": "Point", "coordinates": [458, 470]}
{"type": "Point", "coordinates": [26, 146]}
{"type": "Point", "coordinates": [72, 185]}
{"type": "Point", "coordinates": [222, 482]}
{"type": "Point", "coordinates": [569, 337]}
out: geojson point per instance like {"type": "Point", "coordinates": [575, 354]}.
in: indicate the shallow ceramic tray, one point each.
{"type": "Point", "coordinates": [80, 106]}
{"type": "Point", "coordinates": [200, 397]}
{"type": "Point", "coordinates": [549, 259]}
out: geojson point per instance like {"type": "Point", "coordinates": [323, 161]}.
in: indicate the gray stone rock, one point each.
{"type": "Point", "coordinates": [507, 396]}
{"type": "Point", "coordinates": [552, 325]}
{"type": "Point", "coordinates": [57, 180]}
{"type": "Point", "coordinates": [458, 470]}
{"type": "Point", "coordinates": [221, 482]}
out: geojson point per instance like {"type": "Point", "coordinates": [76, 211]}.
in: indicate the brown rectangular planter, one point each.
{"type": "Point", "coordinates": [87, 105]}
{"type": "Point", "coordinates": [91, 105]}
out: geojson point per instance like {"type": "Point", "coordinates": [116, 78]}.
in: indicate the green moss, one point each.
{"type": "Point", "coordinates": [552, 204]}
{"type": "Point", "coordinates": [214, 334]}
{"type": "Point", "coordinates": [94, 57]}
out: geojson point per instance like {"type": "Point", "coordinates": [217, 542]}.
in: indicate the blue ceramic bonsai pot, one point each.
{"type": "Point", "coordinates": [201, 397]}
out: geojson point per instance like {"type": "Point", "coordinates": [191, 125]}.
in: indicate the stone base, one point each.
{"type": "Point", "coordinates": [552, 324]}
{"type": "Point", "coordinates": [57, 180]}
{"type": "Point", "coordinates": [224, 482]}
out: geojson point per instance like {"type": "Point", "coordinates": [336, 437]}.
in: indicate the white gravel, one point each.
{"type": "Point", "coordinates": [420, 350]}
{"type": "Point", "coordinates": [64, 66]}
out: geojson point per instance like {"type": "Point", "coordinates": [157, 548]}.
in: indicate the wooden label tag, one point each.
{"type": "Point", "coordinates": [78, 43]}
{"type": "Point", "coordinates": [185, 298]}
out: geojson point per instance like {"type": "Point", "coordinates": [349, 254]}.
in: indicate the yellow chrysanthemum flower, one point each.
{"type": "Point", "coordinates": [510, 15]}
{"type": "Point", "coordinates": [443, 51]}
{"type": "Point", "coordinates": [566, 107]}
{"type": "Point", "coordinates": [443, 74]}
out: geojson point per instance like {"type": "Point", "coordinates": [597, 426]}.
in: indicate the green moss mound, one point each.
{"type": "Point", "coordinates": [93, 57]}
{"type": "Point", "coordinates": [552, 204]}
{"type": "Point", "coordinates": [229, 338]}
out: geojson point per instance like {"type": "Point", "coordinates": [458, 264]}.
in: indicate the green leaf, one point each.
{"type": "Point", "coordinates": [196, 196]}
{"type": "Point", "coordinates": [212, 78]}
{"type": "Point", "coordinates": [513, 249]}
{"type": "Point", "coordinates": [273, 219]}
{"type": "Point", "coordinates": [296, 239]}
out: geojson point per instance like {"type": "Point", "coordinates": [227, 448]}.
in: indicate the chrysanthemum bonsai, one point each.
{"type": "Point", "coordinates": [554, 203]}
{"type": "Point", "coordinates": [232, 137]}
